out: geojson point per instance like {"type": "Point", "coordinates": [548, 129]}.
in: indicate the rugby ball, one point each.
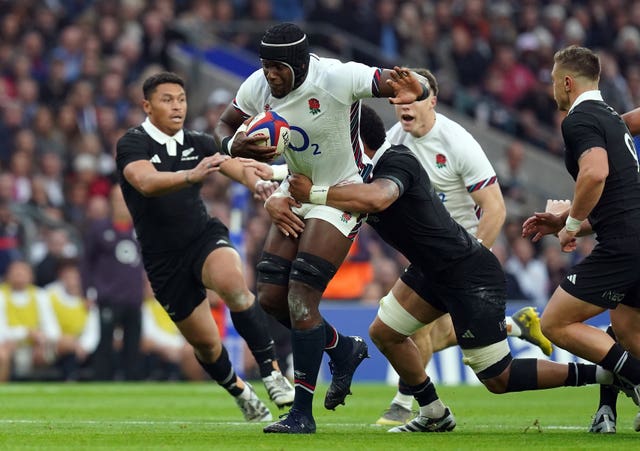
{"type": "Point", "coordinates": [273, 127]}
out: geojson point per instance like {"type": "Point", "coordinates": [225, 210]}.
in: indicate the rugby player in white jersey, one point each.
{"type": "Point", "coordinates": [467, 184]}
{"type": "Point", "coordinates": [319, 97]}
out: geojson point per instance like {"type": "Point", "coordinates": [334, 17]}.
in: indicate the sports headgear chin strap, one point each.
{"type": "Point", "coordinates": [294, 55]}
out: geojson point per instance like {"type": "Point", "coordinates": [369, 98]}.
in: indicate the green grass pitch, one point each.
{"type": "Point", "coordinates": [188, 416]}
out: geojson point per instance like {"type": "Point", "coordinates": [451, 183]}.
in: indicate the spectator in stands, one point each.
{"type": "Point", "coordinates": [216, 103]}
{"type": "Point", "coordinates": [77, 317]}
{"type": "Point", "coordinates": [58, 249]}
{"type": "Point", "coordinates": [112, 270]}
{"type": "Point", "coordinates": [27, 321]}
{"type": "Point", "coordinates": [513, 178]}
{"type": "Point", "coordinates": [12, 233]}
{"type": "Point", "coordinates": [470, 60]}
{"type": "Point", "coordinates": [514, 292]}
{"type": "Point", "coordinates": [530, 271]}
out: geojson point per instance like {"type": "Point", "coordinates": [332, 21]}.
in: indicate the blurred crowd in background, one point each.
{"type": "Point", "coordinates": [70, 86]}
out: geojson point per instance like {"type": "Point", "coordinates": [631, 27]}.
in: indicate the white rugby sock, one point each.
{"type": "Point", "coordinates": [433, 410]}
{"type": "Point", "coordinates": [405, 401]}
{"type": "Point", "coordinates": [515, 329]}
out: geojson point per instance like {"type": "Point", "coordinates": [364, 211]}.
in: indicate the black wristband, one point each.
{"type": "Point", "coordinates": [425, 93]}
{"type": "Point", "coordinates": [224, 145]}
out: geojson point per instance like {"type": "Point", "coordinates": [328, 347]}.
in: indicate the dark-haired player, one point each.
{"type": "Point", "coordinates": [453, 272]}
{"type": "Point", "coordinates": [161, 166]}
{"type": "Point", "coordinates": [319, 97]}
{"type": "Point", "coordinates": [601, 158]}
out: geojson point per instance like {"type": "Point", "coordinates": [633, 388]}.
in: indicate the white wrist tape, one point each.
{"type": "Point", "coordinates": [318, 194]}
{"type": "Point", "coordinates": [572, 224]}
{"type": "Point", "coordinates": [280, 171]}
{"type": "Point", "coordinates": [243, 128]}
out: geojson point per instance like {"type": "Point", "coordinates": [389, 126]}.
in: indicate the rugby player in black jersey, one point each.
{"type": "Point", "coordinates": [450, 270]}
{"type": "Point", "coordinates": [601, 158]}
{"type": "Point", "coordinates": [185, 251]}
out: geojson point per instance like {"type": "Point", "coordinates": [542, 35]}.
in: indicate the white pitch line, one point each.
{"type": "Point", "coordinates": [532, 429]}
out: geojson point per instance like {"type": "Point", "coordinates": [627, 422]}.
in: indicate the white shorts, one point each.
{"type": "Point", "coordinates": [347, 223]}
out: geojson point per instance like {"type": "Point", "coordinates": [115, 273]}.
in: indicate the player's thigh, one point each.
{"type": "Point", "coordinates": [324, 240]}
{"type": "Point", "coordinates": [564, 309]}
{"type": "Point", "coordinates": [442, 334]}
{"type": "Point", "coordinates": [278, 244]}
{"type": "Point", "coordinates": [414, 304]}
{"type": "Point", "coordinates": [625, 321]}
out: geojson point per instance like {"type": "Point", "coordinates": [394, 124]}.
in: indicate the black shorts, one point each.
{"type": "Point", "coordinates": [176, 277]}
{"type": "Point", "coordinates": [473, 292]}
{"type": "Point", "coordinates": [609, 276]}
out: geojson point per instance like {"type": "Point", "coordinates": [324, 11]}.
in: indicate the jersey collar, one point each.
{"type": "Point", "coordinates": [587, 95]}
{"type": "Point", "coordinates": [381, 150]}
{"type": "Point", "coordinates": [161, 137]}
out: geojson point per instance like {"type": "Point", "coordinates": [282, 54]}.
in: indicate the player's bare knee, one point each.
{"type": "Point", "coordinates": [376, 333]}
{"type": "Point", "coordinates": [208, 351]}
{"type": "Point", "coordinates": [383, 336]}
{"type": "Point", "coordinates": [495, 385]}
{"type": "Point", "coordinates": [299, 308]}
{"type": "Point", "coordinates": [236, 298]}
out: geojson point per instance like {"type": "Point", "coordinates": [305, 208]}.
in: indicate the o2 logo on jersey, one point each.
{"type": "Point", "coordinates": [443, 197]}
{"type": "Point", "coordinates": [300, 141]}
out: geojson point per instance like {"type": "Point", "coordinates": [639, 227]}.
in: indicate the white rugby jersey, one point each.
{"type": "Point", "coordinates": [456, 165]}
{"type": "Point", "coordinates": [324, 125]}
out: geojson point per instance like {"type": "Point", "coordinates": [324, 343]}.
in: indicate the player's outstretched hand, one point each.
{"type": "Point", "coordinates": [300, 187]}
{"type": "Point", "coordinates": [279, 208]}
{"type": "Point", "coordinates": [263, 189]}
{"type": "Point", "coordinates": [262, 170]}
{"type": "Point", "coordinates": [541, 224]}
{"type": "Point", "coordinates": [568, 241]}
{"type": "Point", "coordinates": [557, 207]}
{"type": "Point", "coordinates": [406, 86]}
{"type": "Point", "coordinates": [206, 166]}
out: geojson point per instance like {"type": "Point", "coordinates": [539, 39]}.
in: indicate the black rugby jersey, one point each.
{"type": "Point", "coordinates": [593, 123]}
{"type": "Point", "coordinates": [417, 224]}
{"type": "Point", "coordinates": [169, 222]}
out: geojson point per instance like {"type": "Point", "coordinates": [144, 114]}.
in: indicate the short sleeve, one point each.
{"type": "Point", "coordinates": [133, 146]}
{"type": "Point", "coordinates": [581, 132]}
{"type": "Point", "coordinates": [399, 167]}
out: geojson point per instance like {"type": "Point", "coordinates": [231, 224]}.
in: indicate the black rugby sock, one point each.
{"type": "Point", "coordinates": [425, 393]}
{"type": "Point", "coordinates": [251, 325]}
{"type": "Point", "coordinates": [307, 357]}
{"type": "Point", "coordinates": [580, 374]}
{"type": "Point", "coordinates": [337, 346]}
{"type": "Point", "coordinates": [404, 388]}
{"type": "Point", "coordinates": [608, 393]}
{"type": "Point", "coordinates": [222, 372]}
{"type": "Point", "coordinates": [622, 363]}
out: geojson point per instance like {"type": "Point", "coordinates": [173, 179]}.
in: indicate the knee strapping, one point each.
{"type": "Point", "coordinates": [273, 269]}
{"type": "Point", "coordinates": [312, 270]}
{"type": "Point", "coordinates": [523, 375]}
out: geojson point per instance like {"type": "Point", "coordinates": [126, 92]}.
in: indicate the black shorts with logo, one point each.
{"type": "Point", "coordinates": [176, 277]}
{"type": "Point", "coordinates": [609, 276]}
{"type": "Point", "coordinates": [473, 292]}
